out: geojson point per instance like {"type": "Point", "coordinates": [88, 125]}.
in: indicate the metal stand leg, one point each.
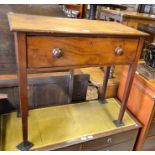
{"type": "Point", "coordinates": [104, 87]}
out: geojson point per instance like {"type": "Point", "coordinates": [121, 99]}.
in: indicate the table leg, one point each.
{"type": "Point", "coordinates": [20, 45]}
{"type": "Point", "coordinates": [131, 73]}
{"type": "Point", "coordinates": [104, 87]}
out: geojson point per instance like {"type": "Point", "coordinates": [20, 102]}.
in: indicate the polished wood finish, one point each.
{"type": "Point", "coordinates": [20, 46]}
{"type": "Point", "coordinates": [72, 36]}
{"type": "Point", "coordinates": [22, 22]}
{"type": "Point", "coordinates": [81, 51]}
{"type": "Point", "coordinates": [141, 104]}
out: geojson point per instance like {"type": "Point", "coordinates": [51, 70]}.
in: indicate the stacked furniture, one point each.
{"type": "Point", "coordinates": [142, 105]}
{"type": "Point", "coordinates": [66, 44]}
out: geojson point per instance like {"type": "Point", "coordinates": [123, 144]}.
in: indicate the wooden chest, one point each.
{"type": "Point", "coordinates": [83, 126]}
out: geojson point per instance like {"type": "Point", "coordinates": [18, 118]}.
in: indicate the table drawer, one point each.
{"type": "Point", "coordinates": [78, 52]}
{"type": "Point", "coordinates": [125, 146]}
{"type": "Point", "coordinates": [76, 147]}
{"type": "Point", "coordinates": [110, 140]}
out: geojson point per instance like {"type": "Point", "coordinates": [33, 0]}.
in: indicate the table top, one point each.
{"type": "Point", "coordinates": [131, 14]}
{"type": "Point", "coordinates": [33, 23]}
{"type": "Point", "coordinates": [66, 124]}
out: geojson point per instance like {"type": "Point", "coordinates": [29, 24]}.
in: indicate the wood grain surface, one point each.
{"type": "Point", "coordinates": [23, 22]}
{"type": "Point", "coordinates": [79, 51]}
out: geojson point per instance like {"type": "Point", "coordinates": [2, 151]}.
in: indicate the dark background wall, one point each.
{"type": "Point", "coordinates": [7, 52]}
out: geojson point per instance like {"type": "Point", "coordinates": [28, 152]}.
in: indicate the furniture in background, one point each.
{"type": "Point", "coordinates": [75, 7]}
{"type": "Point", "coordinates": [131, 19]}
{"type": "Point", "coordinates": [96, 82]}
{"type": "Point", "coordinates": [148, 28]}
{"type": "Point", "coordinates": [141, 104]}
{"type": "Point", "coordinates": [146, 8]}
{"type": "Point", "coordinates": [93, 9]}
{"type": "Point", "coordinates": [45, 89]}
{"type": "Point", "coordinates": [66, 44]}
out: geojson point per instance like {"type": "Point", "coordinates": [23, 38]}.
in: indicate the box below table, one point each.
{"type": "Point", "coordinates": [82, 126]}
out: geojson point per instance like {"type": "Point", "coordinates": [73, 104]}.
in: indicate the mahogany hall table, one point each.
{"type": "Point", "coordinates": [46, 44]}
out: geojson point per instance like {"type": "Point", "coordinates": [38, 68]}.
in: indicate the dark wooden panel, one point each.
{"type": "Point", "coordinates": [110, 140]}
{"type": "Point", "coordinates": [7, 52]}
{"type": "Point", "coordinates": [53, 92]}
{"type": "Point", "coordinates": [80, 85]}
{"type": "Point", "coordinates": [125, 146]}
{"type": "Point", "coordinates": [76, 147]}
{"type": "Point", "coordinates": [44, 91]}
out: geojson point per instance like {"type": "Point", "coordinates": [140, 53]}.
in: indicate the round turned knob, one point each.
{"type": "Point", "coordinates": [118, 51]}
{"type": "Point", "coordinates": [57, 52]}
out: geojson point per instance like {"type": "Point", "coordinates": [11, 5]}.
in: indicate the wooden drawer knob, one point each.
{"type": "Point", "coordinates": [57, 52]}
{"type": "Point", "coordinates": [118, 51]}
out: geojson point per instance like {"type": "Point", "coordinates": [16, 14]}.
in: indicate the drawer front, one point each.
{"type": "Point", "coordinates": [152, 128]}
{"type": "Point", "coordinates": [110, 140]}
{"type": "Point", "coordinates": [76, 147]}
{"type": "Point", "coordinates": [125, 146]}
{"type": "Point", "coordinates": [79, 52]}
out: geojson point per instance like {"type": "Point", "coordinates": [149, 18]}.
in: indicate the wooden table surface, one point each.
{"type": "Point", "coordinates": [32, 23]}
